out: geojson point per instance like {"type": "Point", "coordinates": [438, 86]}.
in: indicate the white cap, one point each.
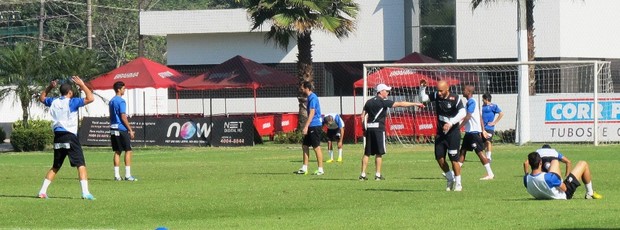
{"type": "Point", "coordinates": [382, 87]}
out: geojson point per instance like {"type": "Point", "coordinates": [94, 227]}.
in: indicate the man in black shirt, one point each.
{"type": "Point", "coordinates": [450, 111]}
{"type": "Point", "coordinates": [373, 117]}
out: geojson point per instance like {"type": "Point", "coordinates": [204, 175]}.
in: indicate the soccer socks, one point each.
{"type": "Point", "coordinates": [304, 168]}
{"type": "Point", "coordinates": [320, 170]}
{"type": "Point", "coordinates": [450, 175]}
{"type": "Point", "coordinates": [339, 154]}
{"type": "Point", "coordinates": [589, 190]}
{"type": "Point", "coordinates": [46, 183]}
{"type": "Point", "coordinates": [489, 155]}
{"type": "Point", "coordinates": [127, 171]}
{"type": "Point", "coordinates": [487, 166]}
{"type": "Point", "coordinates": [457, 179]}
{"type": "Point", "coordinates": [363, 174]}
{"type": "Point", "coordinates": [331, 154]}
{"type": "Point", "coordinates": [84, 184]}
{"type": "Point", "coordinates": [117, 173]}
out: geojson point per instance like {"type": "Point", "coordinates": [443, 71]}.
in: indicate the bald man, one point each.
{"type": "Point", "coordinates": [450, 111]}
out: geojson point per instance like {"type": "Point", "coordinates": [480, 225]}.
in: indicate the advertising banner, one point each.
{"type": "Point", "coordinates": [572, 120]}
{"type": "Point", "coordinates": [224, 131]}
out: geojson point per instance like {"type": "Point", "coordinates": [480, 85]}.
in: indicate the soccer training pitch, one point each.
{"type": "Point", "coordinates": [255, 188]}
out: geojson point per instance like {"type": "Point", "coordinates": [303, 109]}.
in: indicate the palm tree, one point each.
{"type": "Point", "coordinates": [20, 72]}
{"type": "Point", "coordinates": [297, 19]}
{"type": "Point", "coordinates": [529, 16]}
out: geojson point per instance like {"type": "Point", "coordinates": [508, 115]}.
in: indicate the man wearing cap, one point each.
{"type": "Point", "coordinates": [450, 111]}
{"type": "Point", "coordinates": [548, 154]}
{"type": "Point", "coordinates": [373, 116]}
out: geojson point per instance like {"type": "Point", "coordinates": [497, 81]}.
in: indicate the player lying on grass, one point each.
{"type": "Point", "coordinates": [549, 185]}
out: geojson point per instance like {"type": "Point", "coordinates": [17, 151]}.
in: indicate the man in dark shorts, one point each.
{"type": "Point", "coordinates": [373, 116]}
{"type": "Point", "coordinates": [121, 132]}
{"type": "Point", "coordinates": [335, 133]}
{"type": "Point", "coordinates": [450, 111]}
{"type": "Point", "coordinates": [549, 185]}
{"type": "Point", "coordinates": [64, 112]}
{"type": "Point", "coordinates": [312, 131]}
{"type": "Point", "coordinates": [473, 140]}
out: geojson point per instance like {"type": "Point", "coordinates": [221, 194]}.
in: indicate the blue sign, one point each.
{"type": "Point", "coordinates": [581, 111]}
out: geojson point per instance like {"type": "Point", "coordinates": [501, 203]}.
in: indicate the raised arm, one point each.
{"type": "Point", "coordinates": [89, 94]}
{"type": "Point", "coordinates": [47, 90]}
{"type": "Point", "coordinates": [422, 96]}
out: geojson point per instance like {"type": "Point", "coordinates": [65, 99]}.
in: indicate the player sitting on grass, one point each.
{"type": "Point", "coordinates": [549, 185]}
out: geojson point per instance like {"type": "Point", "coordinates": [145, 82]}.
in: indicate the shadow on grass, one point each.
{"type": "Point", "coordinates": [337, 179]}
{"type": "Point", "coordinates": [90, 179]}
{"type": "Point", "coordinates": [394, 190]}
{"type": "Point", "coordinates": [427, 178]}
{"type": "Point", "coordinates": [269, 173]}
{"type": "Point", "coordinates": [33, 197]}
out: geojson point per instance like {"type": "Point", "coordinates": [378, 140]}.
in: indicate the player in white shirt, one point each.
{"type": "Point", "coordinates": [335, 132]}
{"type": "Point", "coordinates": [548, 154]}
{"type": "Point", "coordinates": [473, 139]}
{"type": "Point", "coordinates": [549, 185]}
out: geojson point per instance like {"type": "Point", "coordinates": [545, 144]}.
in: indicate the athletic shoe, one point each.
{"type": "Point", "coordinates": [379, 178]}
{"type": "Point", "coordinates": [43, 196]}
{"type": "Point", "coordinates": [118, 179]}
{"type": "Point", "coordinates": [318, 173]}
{"type": "Point", "coordinates": [131, 178]}
{"type": "Point", "coordinates": [339, 160]}
{"type": "Point", "coordinates": [329, 161]}
{"type": "Point", "coordinates": [363, 178]}
{"type": "Point", "coordinates": [488, 177]}
{"type": "Point", "coordinates": [301, 172]}
{"type": "Point", "coordinates": [88, 197]}
{"type": "Point", "coordinates": [449, 185]}
{"type": "Point", "coordinates": [594, 196]}
{"type": "Point", "coordinates": [458, 188]}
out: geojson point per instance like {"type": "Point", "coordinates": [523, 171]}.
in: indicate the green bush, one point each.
{"type": "Point", "coordinates": [2, 135]}
{"type": "Point", "coordinates": [288, 138]}
{"type": "Point", "coordinates": [35, 137]}
{"type": "Point", "coordinates": [507, 136]}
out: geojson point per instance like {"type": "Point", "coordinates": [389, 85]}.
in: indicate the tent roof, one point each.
{"type": "Point", "coordinates": [395, 77]}
{"type": "Point", "coordinates": [139, 73]}
{"type": "Point", "coordinates": [416, 57]}
{"type": "Point", "coordinates": [238, 72]}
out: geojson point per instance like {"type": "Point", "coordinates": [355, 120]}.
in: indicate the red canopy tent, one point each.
{"type": "Point", "coordinates": [139, 73]}
{"type": "Point", "coordinates": [239, 72]}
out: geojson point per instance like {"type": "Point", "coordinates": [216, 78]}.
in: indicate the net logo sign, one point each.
{"type": "Point", "coordinates": [581, 111]}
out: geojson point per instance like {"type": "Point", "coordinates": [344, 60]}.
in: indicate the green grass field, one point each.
{"type": "Point", "coordinates": [254, 188]}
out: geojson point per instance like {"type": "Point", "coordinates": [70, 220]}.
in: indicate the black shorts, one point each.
{"type": "Point", "coordinates": [121, 140]}
{"type": "Point", "coordinates": [491, 133]}
{"type": "Point", "coordinates": [313, 138]}
{"type": "Point", "coordinates": [571, 183]}
{"type": "Point", "coordinates": [333, 134]}
{"type": "Point", "coordinates": [473, 141]}
{"type": "Point", "coordinates": [67, 144]}
{"type": "Point", "coordinates": [448, 143]}
{"type": "Point", "coordinates": [375, 142]}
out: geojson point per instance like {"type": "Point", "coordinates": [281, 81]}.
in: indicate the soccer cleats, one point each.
{"type": "Point", "coordinates": [363, 178]}
{"type": "Point", "coordinates": [43, 196]}
{"type": "Point", "coordinates": [329, 161]}
{"type": "Point", "coordinates": [594, 196]}
{"type": "Point", "coordinates": [318, 173]}
{"type": "Point", "coordinates": [377, 178]}
{"type": "Point", "coordinates": [301, 172]}
{"type": "Point", "coordinates": [131, 178]}
{"type": "Point", "coordinates": [458, 188]}
{"type": "Point", "coordinates": [88, 197]}
{"type": "Point", "coordinates": [339, 160]}
{"type": "Point", "coordinates": [449, 185]}
{"type": "Point", "coordinates": [488, 177]}
{"type": "Point", "coordinates": [118, 179]}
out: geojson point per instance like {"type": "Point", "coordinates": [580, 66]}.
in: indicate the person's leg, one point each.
{"type": "Point", "coordinates": [319, 158]}
{"type": "Point", "coordinates": [364, 166]}
{"type": "Point", "coordinates": [378, 163]}
{"type": "Point", "coordinates": [83, 175]}
{"type": "Point", "coordinates": [128, 163]}
{"type": "Point", "coordinates": [330, 148]}
{"type": "Point", "coordinates": [49, 177]}
{"type": "Point", "coordinates": [306, 157]}
{"type": "Point", "coordinates": [487, 165]}
{"type": "Point", "coordinates": [117, 161]}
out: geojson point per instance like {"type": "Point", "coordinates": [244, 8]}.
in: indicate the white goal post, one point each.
{"type": "Point", "coordinates": [566, 101]}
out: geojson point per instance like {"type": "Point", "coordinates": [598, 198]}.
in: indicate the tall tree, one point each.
{"type": "Point", "coordinates": [529, 15]}
{"type": "Point", "coordinates": [21, 71]}
{"type": "Point", "coordinates": [296, 19]}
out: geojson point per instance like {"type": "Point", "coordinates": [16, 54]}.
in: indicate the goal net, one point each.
{"type": "Point", "coordinates": [554, 101]}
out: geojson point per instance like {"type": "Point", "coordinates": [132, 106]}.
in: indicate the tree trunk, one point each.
{"type": "Point", "coordinates": [530, 44]}
{"type": "Point", "coordinates": [304, 72]}
{"type": "Point", "coordinates": [25, 103]}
